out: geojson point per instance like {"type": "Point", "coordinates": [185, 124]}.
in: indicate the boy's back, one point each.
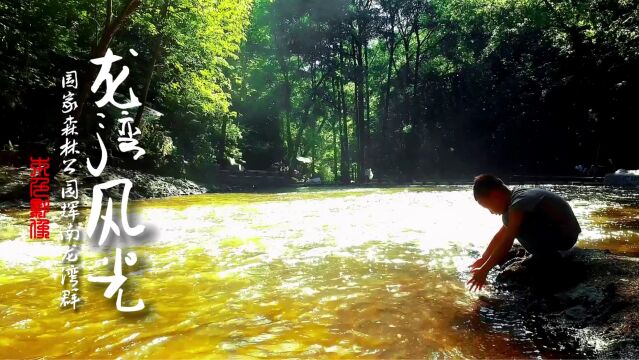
{"type": "Point", "coordinates": [548, 223]}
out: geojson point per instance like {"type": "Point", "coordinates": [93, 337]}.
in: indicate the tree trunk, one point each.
{"type": "Point", "coordinates": [155, 55]}
{"type": "Point", "coordinates": [367, 127]}
{"type": "Point", "coordinates": [222, 146]}
{"type": "Point", "coordinates": [359, 107]}
{"type": "Point", "coordinates": [333, 130]}
{"type": "Point", "coordinates": [287, 114]}
{"type": "Point", "coordinates": [385, 117]}
{"type": "Point", "coordinates": [418, 49]}
{"type": "Point", "coordinates": [345, 173]}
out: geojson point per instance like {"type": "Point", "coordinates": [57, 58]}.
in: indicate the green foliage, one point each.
{"type": "Point", "coordinates": [196, 72]}
{"type": "Point", "coordinates": [192, 75]}
{"type": "Point", "coordinates": [449, 87]}
{"type": "Point", "coordinates": [407, 87]}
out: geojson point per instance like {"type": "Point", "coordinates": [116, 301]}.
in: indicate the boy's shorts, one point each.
{"type": "Point", "coordinates": [543, 237]}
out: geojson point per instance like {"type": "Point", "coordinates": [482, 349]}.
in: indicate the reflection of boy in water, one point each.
{"type": "Point", "coordinates": [542, 222]}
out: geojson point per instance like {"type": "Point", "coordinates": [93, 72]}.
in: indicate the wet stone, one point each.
{"type": "Point", "coordinates": [590, 292]}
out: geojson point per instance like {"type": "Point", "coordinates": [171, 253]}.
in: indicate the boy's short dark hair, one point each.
{"type": "Point", "coordinates": [485, 183]}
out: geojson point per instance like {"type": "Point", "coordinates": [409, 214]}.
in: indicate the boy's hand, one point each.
{"type": "Point", "coordinates": [478, 280]}
{"type": "Point", "coordinates": [478, 263]}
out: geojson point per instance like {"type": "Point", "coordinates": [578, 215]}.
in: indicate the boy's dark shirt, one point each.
{"type": "Point", "coordinates": [538, 227]}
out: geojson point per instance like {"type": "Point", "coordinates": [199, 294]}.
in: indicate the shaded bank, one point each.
{"type": "Point", "coordinates": [14, 185]}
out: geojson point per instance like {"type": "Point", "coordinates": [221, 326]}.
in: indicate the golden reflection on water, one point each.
{"type": "Point", "coordinates": [373, 273]}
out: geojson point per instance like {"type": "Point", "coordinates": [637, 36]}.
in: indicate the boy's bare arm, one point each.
{"type": "Point", "coordinates": [494, 242]}
{"type": "Point", "coordinates": [499, 250]}
{"type": "Point", "coordinates": [506, 241]}
{"type": "Point", "coordinates": [490, 248]}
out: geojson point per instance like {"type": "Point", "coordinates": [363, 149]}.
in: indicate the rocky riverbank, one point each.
{"type": "Point", "coordinates": [591, 300]}
{"type": "Point", "coordinates": [14, 185]}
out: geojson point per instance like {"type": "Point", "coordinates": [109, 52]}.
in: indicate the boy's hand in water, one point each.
{"type": "Point", "coordinates": [478, 280]}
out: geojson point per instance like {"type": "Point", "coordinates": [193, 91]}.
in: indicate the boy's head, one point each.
{"type": "Point", "coordinates": [491, 193]}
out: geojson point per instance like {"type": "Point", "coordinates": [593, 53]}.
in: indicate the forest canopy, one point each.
{"type": "Point", "coordinates": [408, 88]}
